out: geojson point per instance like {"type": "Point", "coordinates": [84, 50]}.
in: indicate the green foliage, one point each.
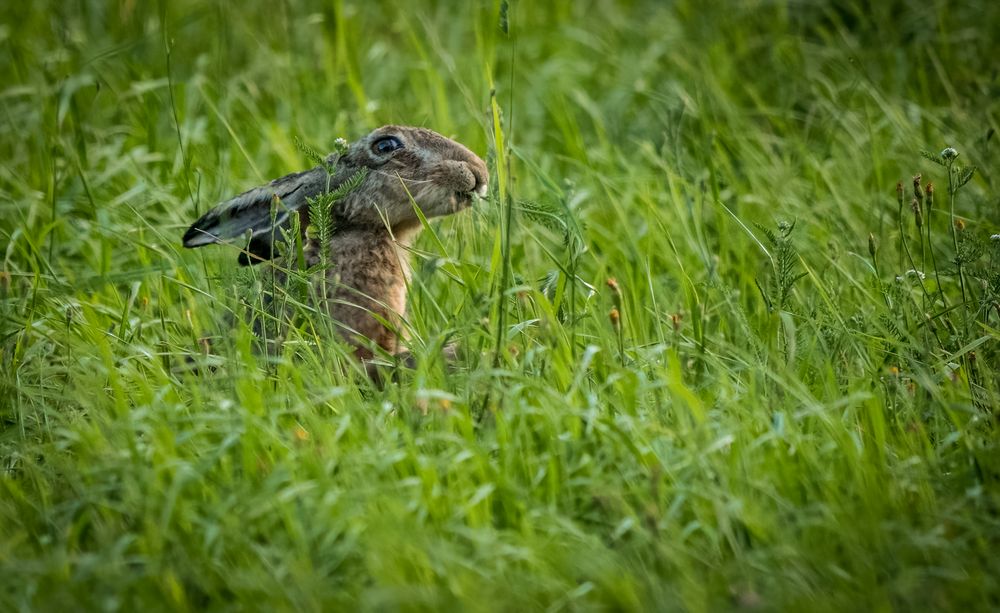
{"type": "Point", "coordinates": [934, 157]}
{"type": "Point", "coordinates": [321, 219]}
{"type": "Point", "coordinates": [311, 154]}
{"type": "Point", "coordinates": [963, 176]}
{"type": "Point", "coordinates": [784, 264]}
{"type": "Point", "coordinates": [661, 401]}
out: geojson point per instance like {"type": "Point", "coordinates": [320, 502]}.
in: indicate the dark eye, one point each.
{"type": "Point", "coordinates": [386, 145]}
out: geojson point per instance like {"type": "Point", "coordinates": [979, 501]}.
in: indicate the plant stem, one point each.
{"type": "Point", "coordinates": [937, 275]}
{"type": "Point", "coordinates": [906, 249]}
{"type": "Point", "coordinates": [952, 190]}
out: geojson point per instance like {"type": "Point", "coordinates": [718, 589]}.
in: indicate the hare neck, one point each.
{"type": "Point", "coordinates": [371, 269]}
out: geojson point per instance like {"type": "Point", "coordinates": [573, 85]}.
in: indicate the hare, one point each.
{"type": "Point", "coordinates": [373, 225]}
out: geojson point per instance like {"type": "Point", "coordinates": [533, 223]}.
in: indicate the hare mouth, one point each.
{"type": "Point", "coordinates": [464, 198]}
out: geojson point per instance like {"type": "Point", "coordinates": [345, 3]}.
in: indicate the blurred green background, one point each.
{"type": "Point", "coordinates": [774, 422]}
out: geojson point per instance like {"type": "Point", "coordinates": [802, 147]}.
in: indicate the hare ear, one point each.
{"type": "Point", "coordinates": [262, 212]}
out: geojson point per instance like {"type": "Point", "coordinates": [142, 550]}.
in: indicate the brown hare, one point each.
{"type": "Point", "coordinates": [373, 225]}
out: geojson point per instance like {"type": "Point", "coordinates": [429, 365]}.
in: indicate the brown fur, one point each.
{"type": "Point", "coordinates": [373, 225]}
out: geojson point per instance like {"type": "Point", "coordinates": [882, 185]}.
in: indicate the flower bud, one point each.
{"type": "Point", "coordinates": [918, 215]}
{"type": "Point", "coordinates": [616, 292]}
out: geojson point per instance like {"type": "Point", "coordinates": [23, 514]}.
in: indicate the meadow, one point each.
{"type": "Point", "coordinates": [720, 348]}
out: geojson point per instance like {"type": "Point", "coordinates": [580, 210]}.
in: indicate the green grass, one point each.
{"type": "Point", "coordinates": [776, 421]}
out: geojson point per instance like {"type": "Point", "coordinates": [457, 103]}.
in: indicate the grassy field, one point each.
{"type": "Point", "coordinates": [716, 360]}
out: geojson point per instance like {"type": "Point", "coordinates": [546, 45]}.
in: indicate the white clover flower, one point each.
{"type": "Point", "coordinates": [949, 153]}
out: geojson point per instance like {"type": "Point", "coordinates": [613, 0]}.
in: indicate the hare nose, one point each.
{"type": "Point", "coordinates": [482, 176]}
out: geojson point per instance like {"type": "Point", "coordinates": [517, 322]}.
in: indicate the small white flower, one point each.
{"type": "Point", "coordinates": [995, 238]}
{"type": "Point", "coordinates": [949, 153]}
{"type": "Point", "coordinates": [908, 274]}
{"type": "Point", "coordinates": [340, 145]}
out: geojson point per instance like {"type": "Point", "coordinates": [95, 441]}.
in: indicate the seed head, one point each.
{"type": "Point", "coordinates": [929, 192]}
{"type": "Point", "coordinates": [917, 192]}
{"type": "Point", "coordinates": [616, 292]}
{"type": "Point", "coordinates": [918, 215]}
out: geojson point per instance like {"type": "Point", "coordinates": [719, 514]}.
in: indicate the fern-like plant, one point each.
{"type": "Point", "coordinates": [784, 266]}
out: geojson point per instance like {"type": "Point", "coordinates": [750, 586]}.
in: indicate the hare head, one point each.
{"type": "Point", "coordinates": [406, 167]}
{"type": "Point", "coordinates": [438, 174]}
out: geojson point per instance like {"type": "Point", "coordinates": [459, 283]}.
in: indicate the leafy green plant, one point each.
{"type": "Point", "coordinates": [784, 266]}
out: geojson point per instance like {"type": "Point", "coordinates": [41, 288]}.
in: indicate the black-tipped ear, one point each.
{"type": "Point", "coordinates": [262, 212]}
{"type": "Point", "coordinates": [259, 249]}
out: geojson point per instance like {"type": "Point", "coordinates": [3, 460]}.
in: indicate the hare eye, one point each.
{"type": "Point", "coordinates": [387, 145]}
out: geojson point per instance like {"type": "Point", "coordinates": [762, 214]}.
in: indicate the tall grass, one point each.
{"type": "Point", "coordinates": [710, 359]}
